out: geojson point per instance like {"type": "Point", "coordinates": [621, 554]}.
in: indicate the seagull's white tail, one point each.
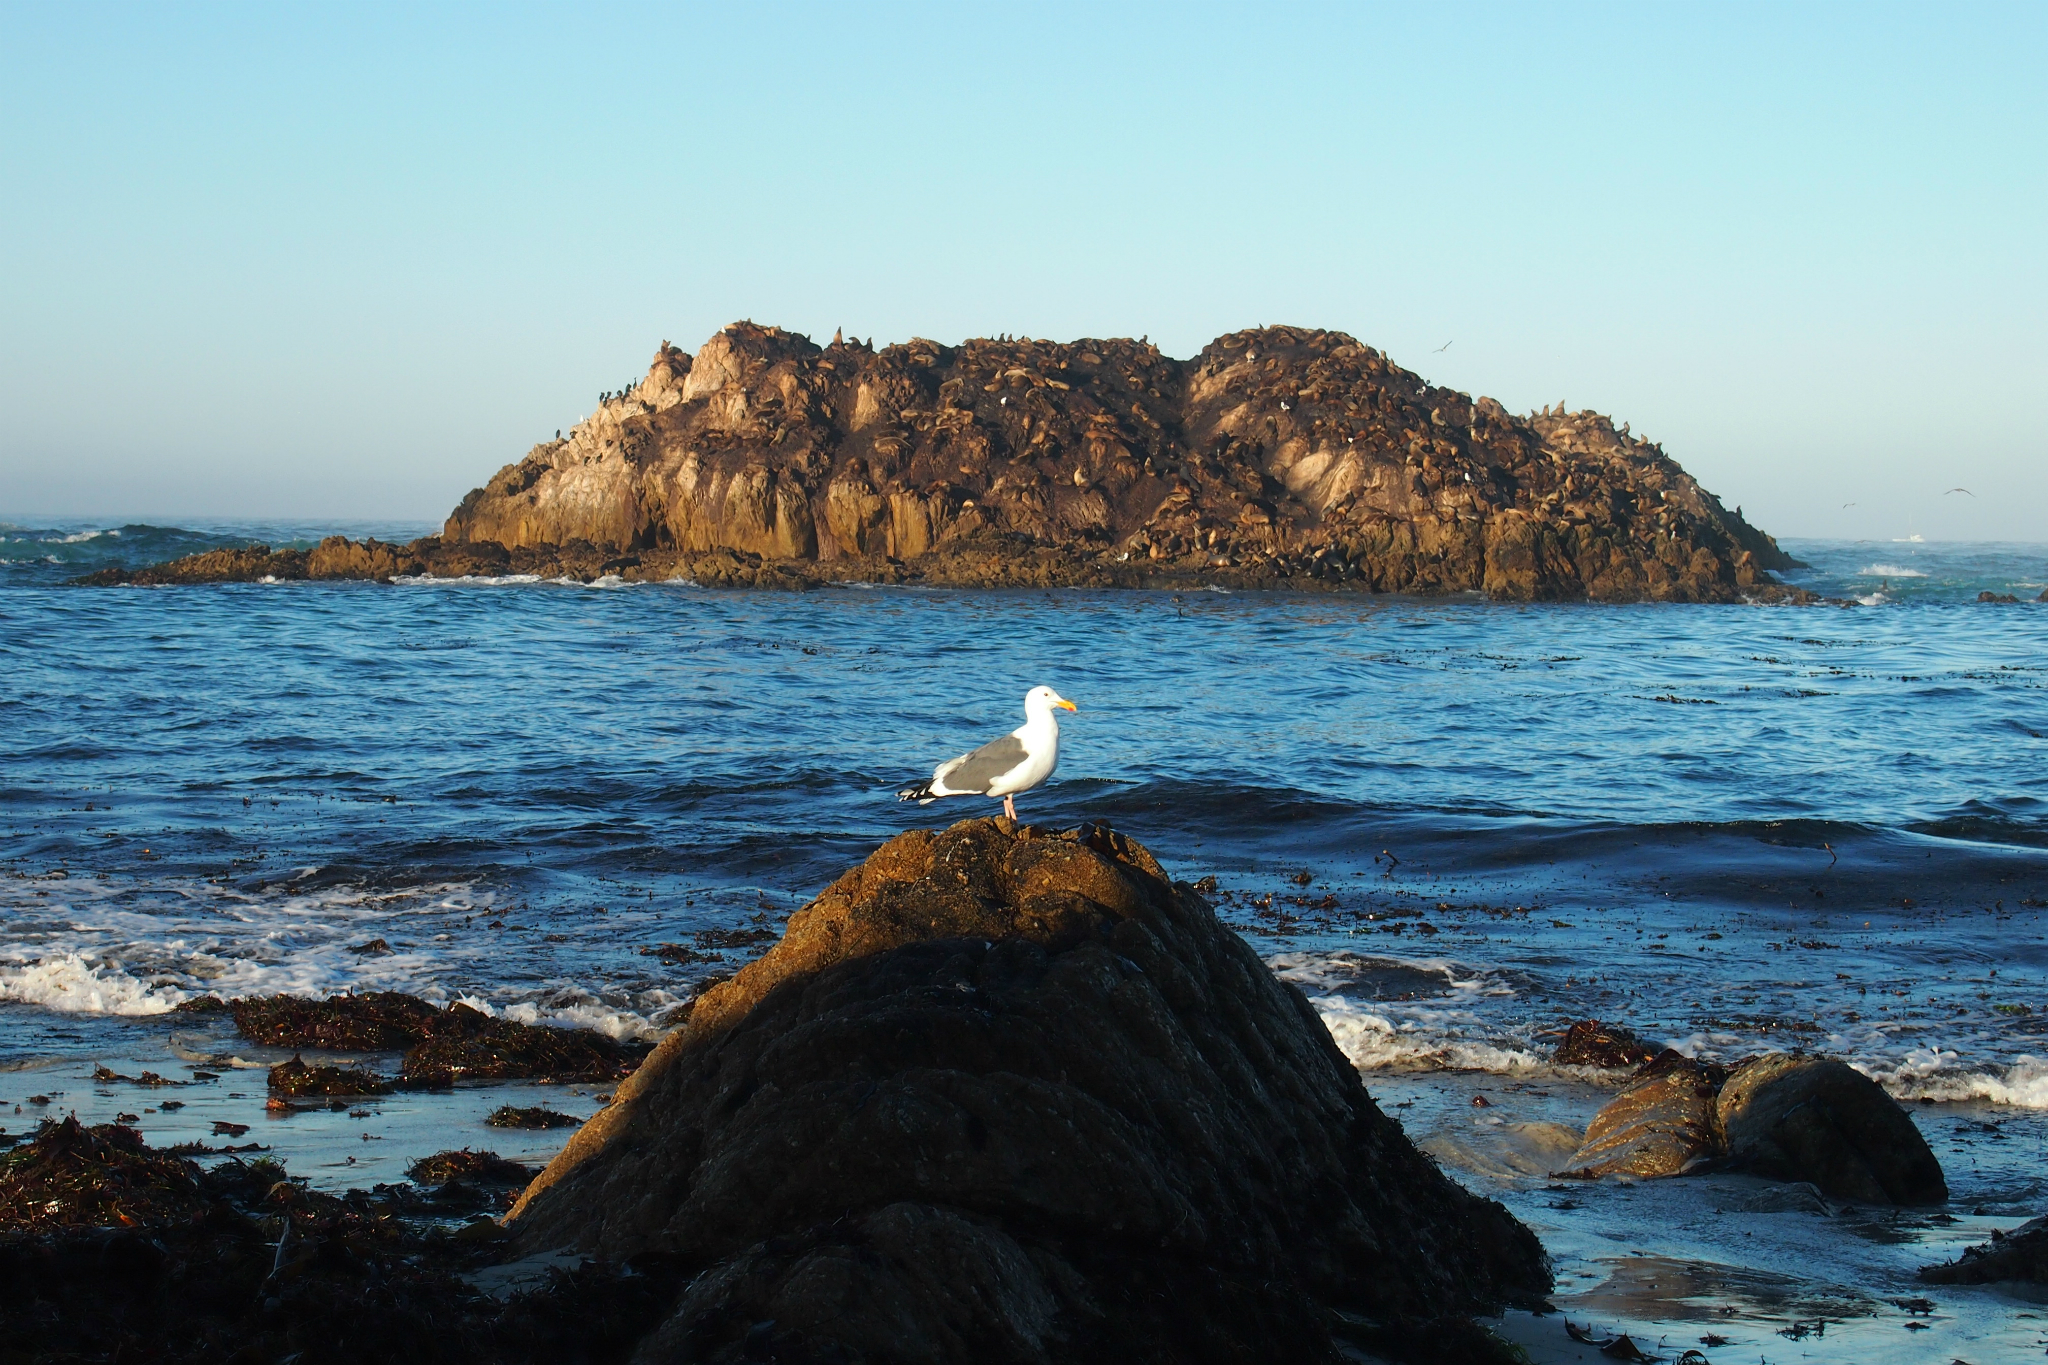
{"type": "Point", "coordinates": [920, 792]}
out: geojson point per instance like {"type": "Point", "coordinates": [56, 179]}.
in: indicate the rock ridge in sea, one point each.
{"type": "Point", "coordinates": [1006, 1095]}
{"type": "Point", "coordinates": [1278, 456]}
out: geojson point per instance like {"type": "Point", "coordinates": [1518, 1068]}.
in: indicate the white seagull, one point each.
{"type": "Point", "coordinates": [1002, 767]}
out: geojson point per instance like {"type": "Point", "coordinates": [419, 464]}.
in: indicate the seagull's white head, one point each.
{"type": "Point", "coordinates": [1040, 701]}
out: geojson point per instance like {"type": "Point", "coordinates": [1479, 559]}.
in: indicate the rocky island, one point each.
{"type": "Point", "coordinates": [1278, 457]}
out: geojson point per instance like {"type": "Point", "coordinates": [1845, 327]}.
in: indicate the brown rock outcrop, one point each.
{"type": "Point", "coordinates": [1007, 1096]}
{"type": "Point", "coordinates": [1281, 452]}
{"type": "Point", "coordinates": [1662, 1123]}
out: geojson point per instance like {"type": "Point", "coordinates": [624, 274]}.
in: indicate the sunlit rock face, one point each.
{"type": "Point", "coordinates": [1280, 452]}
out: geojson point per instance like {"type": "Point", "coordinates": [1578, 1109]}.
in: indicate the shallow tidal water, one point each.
{"type": "Point", "coordinates": [1456, 825]}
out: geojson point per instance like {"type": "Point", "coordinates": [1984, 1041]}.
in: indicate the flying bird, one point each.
{"type": "Point", "coordinates": [1441, 349]}
{"type": "Point", "coordinates": [1959, 490]}
{"type": "Point", "coordinates": [1847, 505]}
{"type": "Point", "coordinates": [1002, 767]}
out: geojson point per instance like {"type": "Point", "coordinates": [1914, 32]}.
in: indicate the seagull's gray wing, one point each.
{"type": "Point", "coordinates": [977, 772]}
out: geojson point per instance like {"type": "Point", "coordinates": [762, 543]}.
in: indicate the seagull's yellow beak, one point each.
{"type": "Point", "coordinates": [1066, 705]}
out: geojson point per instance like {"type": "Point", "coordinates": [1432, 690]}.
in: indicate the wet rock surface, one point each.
{"type": "Point", "coordinates": [1004, 1095]}
{"type": "Point", "coordinates": [1281, 456]}
{"type": "Point", "coordinates": [440, 1045]}
{"type": "Point", "coordinates": [1785, 1116]}
{"type": "Point", "coordinates": [1822, 1121]}
{"type": "Point", "coordinates": [111, 1251]}
{"type": "Point", "coordinates": [2019, 1255]}
{"type": "Point", "coordinates": [1662, 1123]}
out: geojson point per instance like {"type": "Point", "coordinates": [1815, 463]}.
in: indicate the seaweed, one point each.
{"type": "Point", "coordinates": [539, 1116]}
{"type": "Point", "coordinates": [1592, 1043]}
{"type": "Point", "coordinates": [102, 1076]}
{"type": "Point", "coordinates": [440, 1045]}
{"type": "Point", "coordinates": [468, 1044]}
{"type": "Point", "coordinates": [111, 1251]}
{"type": "Point", "coordinates": [68, 1175]}
{"type": "Point", "coordinates": [294, 1078]}
{"type": "Point", "coordinates": [467, 1165]}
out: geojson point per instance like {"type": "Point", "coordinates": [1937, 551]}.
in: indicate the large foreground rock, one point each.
{"type": "Point", "coordinates": [1005, 1096]}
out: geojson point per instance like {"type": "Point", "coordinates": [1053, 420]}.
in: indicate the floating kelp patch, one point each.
{"type": "Point", "coordinates": [467, 1165]}
{"type": "Point", "coordinates": [441, 1046]}
{"type": "Point", "coordinates": [103, 1076]}
{"type": "Point", "coordinates": [294, 1079]}
{"type": "Point", "coordinates": [538, 1116]}
{"type": "Point", "coordinates": [1608, 1046]}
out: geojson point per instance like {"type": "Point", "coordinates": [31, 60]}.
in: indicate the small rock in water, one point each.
{"type": "Point", "coordinates": [1660, 1124]}
{"type": "Point", "coordinates": [2019, 1255]}
{"type": "Point", "coordinates": [1815, 1119]}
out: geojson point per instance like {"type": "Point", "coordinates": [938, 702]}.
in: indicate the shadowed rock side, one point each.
{"type": "Point", "coordinates": [1279, 456]}
{"type": "Point", "coordinates": [1005, 1096]}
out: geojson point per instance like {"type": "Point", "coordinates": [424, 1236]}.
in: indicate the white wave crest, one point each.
{"type": "Point", "coordinates": [71, 985]}
{"type": "Point", "coordinates": [426, 580]}
{"type": "Point", "coordinates": [1407, 1014]}
{"type": "Point", "coordinates": [1451, 1041]}
{"type": "Point", "coordinates": [1890, 571]}
{"type": "Point", "coordinates": [1939, 1075]}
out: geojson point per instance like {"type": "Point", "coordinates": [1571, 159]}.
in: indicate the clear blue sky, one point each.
{"type": "Point", "coordinates": [347, 261]}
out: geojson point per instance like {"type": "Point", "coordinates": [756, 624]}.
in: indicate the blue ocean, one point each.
{"type": "Point", "coordinates": [1457, 825]}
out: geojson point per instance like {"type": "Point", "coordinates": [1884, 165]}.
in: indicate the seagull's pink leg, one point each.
{"type": "Point", "coordinates": [1009, 807]}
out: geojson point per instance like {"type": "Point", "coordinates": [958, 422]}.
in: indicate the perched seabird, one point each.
{"type": "Point", "coordinates": [1003, 767]}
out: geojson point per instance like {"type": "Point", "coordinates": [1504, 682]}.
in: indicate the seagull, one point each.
{"type": "Point", "coordinates": [1441, 349]}
{"type": "Point", "coordinates": [1002, 767]}
{"type": "Point", "coordinates": [1959, 490]}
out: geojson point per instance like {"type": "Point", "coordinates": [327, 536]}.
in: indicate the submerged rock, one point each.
{"type": "Point", "coordinates": [1822, 1121]}
{"type": "Point", "coordinates": [1003, 1095]}
{"type": "Point", "coordinates": [1278, 456]}
{"type": "Point", "coordinates": [1662, 1123]}
{"type": "Point", "coordinates": [2021, 1254]}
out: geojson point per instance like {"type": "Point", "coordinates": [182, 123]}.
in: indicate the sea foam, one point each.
{"type": "Point", "coordinates": [71, 985]}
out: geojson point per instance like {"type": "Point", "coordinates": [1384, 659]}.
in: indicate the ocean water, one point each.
{"type": "Point", "coordinates": [1457, 825]}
